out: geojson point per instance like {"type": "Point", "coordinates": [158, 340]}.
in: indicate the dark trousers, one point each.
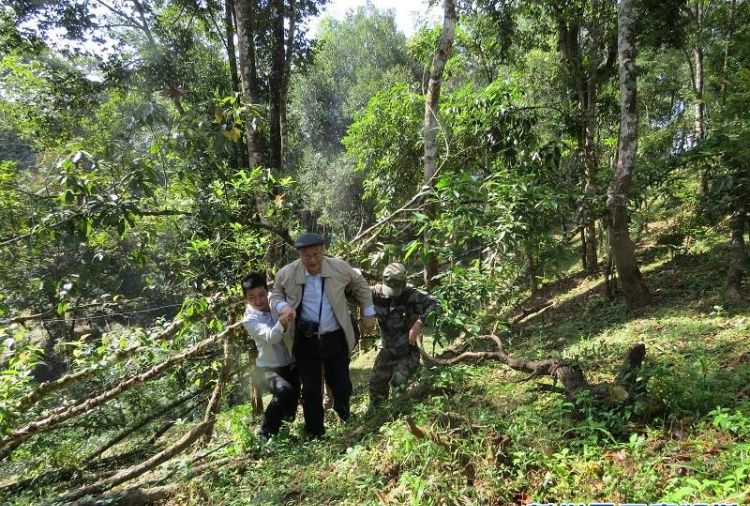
{"type": "Point", "coordinates": [284, 385]}
{"type": "Point", "coordinates": [331, 351]}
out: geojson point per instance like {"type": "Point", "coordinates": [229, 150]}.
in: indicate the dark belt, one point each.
{"type": "Point", "coordinates": [333, 333]}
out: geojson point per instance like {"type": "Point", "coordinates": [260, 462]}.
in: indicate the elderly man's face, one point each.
{"type": "Point", "coordinates": [312, 258]}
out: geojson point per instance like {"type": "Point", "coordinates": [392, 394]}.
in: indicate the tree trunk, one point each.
{"type": "Point", "coordinates": [699, 129]}
{"type": "Point", "coordinates": [276, 82]}
{"type": "Point", "coordinates": [283, 127]}
{"type": "Point", "coordinates": [531, 269]}
{"type": "Point", "coordinates": [431, 108]}
{"type": "Point", "coordinates": [240, 148]}
{"type": "Point", "coordinates": [738, 258]}
{"type": "Point", "coordinates": [244, 14]}
{"type": "Point", "coordinates": [585, 82]}
{"type": "Point", "coordinates": [700, 105]}
{"type": "Point", "coordinates": [634, 289]}
{"type": "Point", "coordinates": [590, 165]}
{"type": "Point", "coordinates": [725, 63]}
{"type": "Point", "coordinates": [256, 392]}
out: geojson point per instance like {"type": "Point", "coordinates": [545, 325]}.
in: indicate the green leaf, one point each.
{"type": "Point", "coordinates": [411, 249]}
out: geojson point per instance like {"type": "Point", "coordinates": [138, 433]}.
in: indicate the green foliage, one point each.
{"type": "Point", "coordinates": [386, 144]}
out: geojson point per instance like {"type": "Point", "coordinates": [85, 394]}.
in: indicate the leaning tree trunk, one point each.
{"type": "Point", "coordinates": [431, 108]}
{"type": "Point", "coordinates": [244, 13]}
{"type": "Point", "coordinates": [634, 289]}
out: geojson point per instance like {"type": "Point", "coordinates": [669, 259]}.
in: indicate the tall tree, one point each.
{"type": "Point", "coordinates": [635, 290]}
{"type": "Point", "coordinates": [245, 13]}
{"type": "Point", "coordinates": [431, 122]}
{"type": "Point", "coordinates": [587, 44]}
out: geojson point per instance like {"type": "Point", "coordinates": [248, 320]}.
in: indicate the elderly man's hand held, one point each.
{"type": "Point", "coordinates": [286, 315]}
{"type": "Point", "coordinates": [368, 324]}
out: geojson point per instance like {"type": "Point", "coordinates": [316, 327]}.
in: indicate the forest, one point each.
{"type": "Point", "coordinates": [570, 179]}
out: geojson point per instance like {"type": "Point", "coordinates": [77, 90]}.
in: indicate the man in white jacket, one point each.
{"type": "Point", "coordinates": [275, 360]}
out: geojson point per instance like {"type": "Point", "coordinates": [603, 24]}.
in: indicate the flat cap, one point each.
{"type": "Point", "coordinates": [309, 239]}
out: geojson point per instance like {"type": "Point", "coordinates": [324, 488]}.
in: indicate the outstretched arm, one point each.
{"type": "Point", "coordinates": [277, 301]}
{"type": "Point", "coordinates": [361, 290]}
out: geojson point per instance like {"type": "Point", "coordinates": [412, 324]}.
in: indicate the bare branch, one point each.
{"type": "Point", "coordinates": [141, 423]}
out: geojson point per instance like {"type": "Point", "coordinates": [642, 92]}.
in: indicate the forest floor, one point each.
{"type": "Point", "coordinates": [478, 434]}
{"type": "Point", "coordinates": [481, 436]}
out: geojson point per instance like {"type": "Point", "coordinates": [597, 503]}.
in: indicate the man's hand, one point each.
{"type": "Point", "coordinates": [286, 315]}
{"type": "Point", "coordinates": [368, 324]}
{"type": "Point", "coordinates": [415, 332]}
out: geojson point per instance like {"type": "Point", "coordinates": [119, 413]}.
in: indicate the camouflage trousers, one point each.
{"type": "Point", "coordinates": [391, 370]}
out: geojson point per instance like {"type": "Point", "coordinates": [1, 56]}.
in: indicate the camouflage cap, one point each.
{"type": "Point", "coordinates": [309, 239]}
{"type": "Point", "coordinates": [394, 279]}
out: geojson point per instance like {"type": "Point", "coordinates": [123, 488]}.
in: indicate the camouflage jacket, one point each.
{"type": "Point", "coordinates": [396, 315]}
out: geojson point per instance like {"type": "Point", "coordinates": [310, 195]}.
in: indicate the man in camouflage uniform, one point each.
{"type": "Point", "coordinates": [401, 311]}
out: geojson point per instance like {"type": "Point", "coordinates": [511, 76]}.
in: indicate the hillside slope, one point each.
{"type": "Point", "coordinates": [479, 436]}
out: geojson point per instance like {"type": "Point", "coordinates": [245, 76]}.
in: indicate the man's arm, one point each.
{"type": "Point", "coordinates": [425, 305]}
{"type": "Point", "coordinates": [277, 300]}
{"type": "Point", "coordinates": [262, 332]}
{"type": "Point", "coordinates": [361, 290]}
{"type": "Point", "coordinates": [363, 293]}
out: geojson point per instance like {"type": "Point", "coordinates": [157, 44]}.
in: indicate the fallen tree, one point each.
{"type": "Point", "coordinates": [55, 417]}
{"type": "Point", "coordinates": [45, 389]}
{"type": "Point", "coordinates": [626, 387]}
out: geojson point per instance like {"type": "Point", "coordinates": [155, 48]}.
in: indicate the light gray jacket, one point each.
{"type": "Point", "coordinates": [290, 281]}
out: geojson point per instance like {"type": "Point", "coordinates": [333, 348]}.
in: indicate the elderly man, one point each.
{"type": "Point", "coordinates": [311, 290]}
{"type": "Point", "coordinates": [401, 311]}
{"type": "Point", "coordinates": [275, 362]}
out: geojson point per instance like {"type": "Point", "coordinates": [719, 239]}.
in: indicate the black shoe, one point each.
{"type": "Point", "coordinates": [312, 436]}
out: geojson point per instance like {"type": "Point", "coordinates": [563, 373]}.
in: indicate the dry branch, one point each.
{"type": "Point", "coordinates": [146, 492]}
{"type": "Point", "coordinates": [134, 496]}
{"type": "Point", "coordinates": [213, 405]}
{"type": "Point", "coordinates": [569, 374]}
{"type": "Point", "coordinates": [18, 436]}
{"type": "Point", "coordinates": [528, 312]}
